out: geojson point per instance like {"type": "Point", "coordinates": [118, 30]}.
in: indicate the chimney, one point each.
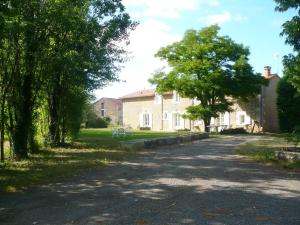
{"type": "Point", "coordinates": [267, 71]}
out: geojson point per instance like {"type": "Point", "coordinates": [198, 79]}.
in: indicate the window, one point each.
{"type": "Point", "coordinates": [177, 119]}
{"type": "Point", "coordinates": [242, 119]}
{"type": "Point", "coordinates": [196, 101]}
{"type": "Point", "coordinates": [176, 97]}
{"type": "Point", "coordinates": [146, 120]}
{"type": "Point", "coordinates": [222, 119]}
{"type": "Point", "coordinates": [102, 113]}
{"type": "Point", "coordinates": [157, 99]}
{"type": "Point", "coordinates": [165, 116]}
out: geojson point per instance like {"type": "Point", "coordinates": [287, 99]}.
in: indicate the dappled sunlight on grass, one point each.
{"type": "Point", "coordinates": [264, 151]}
{"type": "Point", "coordinates": [93, 148]}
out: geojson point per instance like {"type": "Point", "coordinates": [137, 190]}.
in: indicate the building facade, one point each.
{"type": "Point", "coordinates": [109, 107]}
{"type": "Point", "coordinates": [146, 109]}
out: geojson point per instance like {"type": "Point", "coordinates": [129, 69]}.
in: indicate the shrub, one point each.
{"type": "Point", "coordinates": [145, 128]}
{"type": "Point", "coordinates": [234, 131]}
{"type": "Point", "coordinates": [97, 123]}
{"type": "Point", "coordinates": [93, 121]}
{"type": "Point", "coordinates": [183, 130]}
{"type": "Point", "coordinates": [294, 137]}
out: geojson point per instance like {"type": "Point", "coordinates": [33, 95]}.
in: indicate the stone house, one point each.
{"type": "Point", "coordinates": [145, 108]}
{"type": "Point", "coordinates": [109, 107]}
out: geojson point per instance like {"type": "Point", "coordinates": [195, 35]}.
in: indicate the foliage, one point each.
{"type": "Point", "coordinates": [288, 102]}
{"type": "Point", "coordinates": [210, 68]}
{"type": "Point", "coordinates": [234, 131]}
{"type": "Point", "coordinates": [294, 137]}
{"type": "Point", "coordinates": [263, 151]}
{"type": "Point", "coordinates": [292, 69]}
{"type": "Point", "coordinates": [290, 108]}
{"type": "Point", "coordinates": [94, 121]}
{"type": "Point", "coordinates": [53, 54]}
{"type": "Point", "coordinates": [292, 33]}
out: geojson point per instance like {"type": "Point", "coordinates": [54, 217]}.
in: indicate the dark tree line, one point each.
{"type": "Point", "coordinates": [52, 55]}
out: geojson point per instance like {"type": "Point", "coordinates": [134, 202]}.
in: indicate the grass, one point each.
{"type": "Point", "coordinates": [93, 148]}
{"type": "Point", "coordinates": [103, 137]}
{"type": "Point", "coordinates": [263, 151]}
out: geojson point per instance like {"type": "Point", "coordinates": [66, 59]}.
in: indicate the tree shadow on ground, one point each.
{"type": "Point", "coordinates": [204, 183]}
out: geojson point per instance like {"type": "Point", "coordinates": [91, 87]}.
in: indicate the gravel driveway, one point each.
{"type": "Point", "coordinates": [199, 183]}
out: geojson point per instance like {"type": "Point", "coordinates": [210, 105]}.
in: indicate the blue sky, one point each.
{"type": "Point", "coordinates": [253, 23]}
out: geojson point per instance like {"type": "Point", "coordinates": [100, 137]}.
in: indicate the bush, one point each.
{"type": "Point", "coordinates": [183, 130]}
{"type": "Point", "coordinates": [93, 121]}
{"type": "Point", "coordinates": [234, 131]}
{"type": "Point", "coordinates": [97, 123]}
{"type": "Point", "coordinates": [145, 128]}
{"type": "Point", "coordinates": [294, 137]}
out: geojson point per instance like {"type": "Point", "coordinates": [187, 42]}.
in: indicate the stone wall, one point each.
{"type": "Point", "coordinates": [112, 108]}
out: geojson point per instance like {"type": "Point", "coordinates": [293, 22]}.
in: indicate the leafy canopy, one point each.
{"type": "Point", "coordinates": [210, 68]}
{"type": "Point", "coordinates": [288, 102]}
{"type": "Point", "coordinates": [292, 32]}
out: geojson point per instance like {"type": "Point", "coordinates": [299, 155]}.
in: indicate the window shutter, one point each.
{"type": "Point", "coordinates": [239, 117]}
{"type": "Point", "coordinates": [171, 121]}
{"type": "Point", "coordinates": [247, 119]}
{"type": "Point", "coordinates": [150, 120]}
{"type": "Point", "coordinates": [227, 118]}
{"type": "Point", "coordinates": [181, 122]}
{"type": "Point", "coordinates": [141, 120]}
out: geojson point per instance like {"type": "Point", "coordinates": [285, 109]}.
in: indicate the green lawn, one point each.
{"type": "Point", "coordinates": [263, 151]}
{"type": "Point", "coordinates": [103, 137]}
{"type": "Point", "coordinates": [93, 148]}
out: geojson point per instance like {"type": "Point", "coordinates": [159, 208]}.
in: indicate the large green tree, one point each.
{"type": "Point", "coordinates": [210, 68]}
{"type": "Point", "coordinates": [291, 30]}
{"type": "Point", "coordinates": [53, 53]}
{"type": "Point", "coordinates": [83, 55]}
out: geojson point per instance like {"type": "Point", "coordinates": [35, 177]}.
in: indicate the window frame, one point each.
{"type": "Point", "coordinates": [177, 119]}
{"type": "Point", "coordinates": [102, 113]}
{"type": "Point", "coordinates": [176, 97]}
{"type": "Point", "coordinates": [146, 119]}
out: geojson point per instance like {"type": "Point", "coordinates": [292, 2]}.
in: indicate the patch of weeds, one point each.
{"type": "Point", "coordinates": [53, 164]}
{"type": "Point", "coordinates": [263, 151]}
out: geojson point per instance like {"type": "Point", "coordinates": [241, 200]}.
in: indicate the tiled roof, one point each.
{"type": "Point", "coordinates": [140, 94]}
{"type": "Point", "coordinates": [114, 100]}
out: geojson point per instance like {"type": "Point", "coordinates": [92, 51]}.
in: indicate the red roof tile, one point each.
{"type": "Point", "coordinates": [140, 94]}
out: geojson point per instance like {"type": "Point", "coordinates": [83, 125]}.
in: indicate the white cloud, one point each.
{"type": "Point", "coordinates": [146, 40]}
{"type": "Point", "coordinates": [222, 18]}
{"type": "Point", "coordinates": [151, 34]}
{"type": "Point", "coordinates": [239, 18]}
{"type": "Point", "coordinates": [167, 8]}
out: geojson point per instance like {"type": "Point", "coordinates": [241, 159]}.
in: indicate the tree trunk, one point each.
{"type": "Point", "coordinates": [23, 120]}
{"type": "Point", "coordinates": [2, 129]}
{"type": "Point", "coordinates": [2, 145]}
{"type": "Point", "coordinates": [24, 109]}
{"type": "Point", "coordinates": [206, 124]}
{"type": "Point", "coordinates": [54, 119]}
